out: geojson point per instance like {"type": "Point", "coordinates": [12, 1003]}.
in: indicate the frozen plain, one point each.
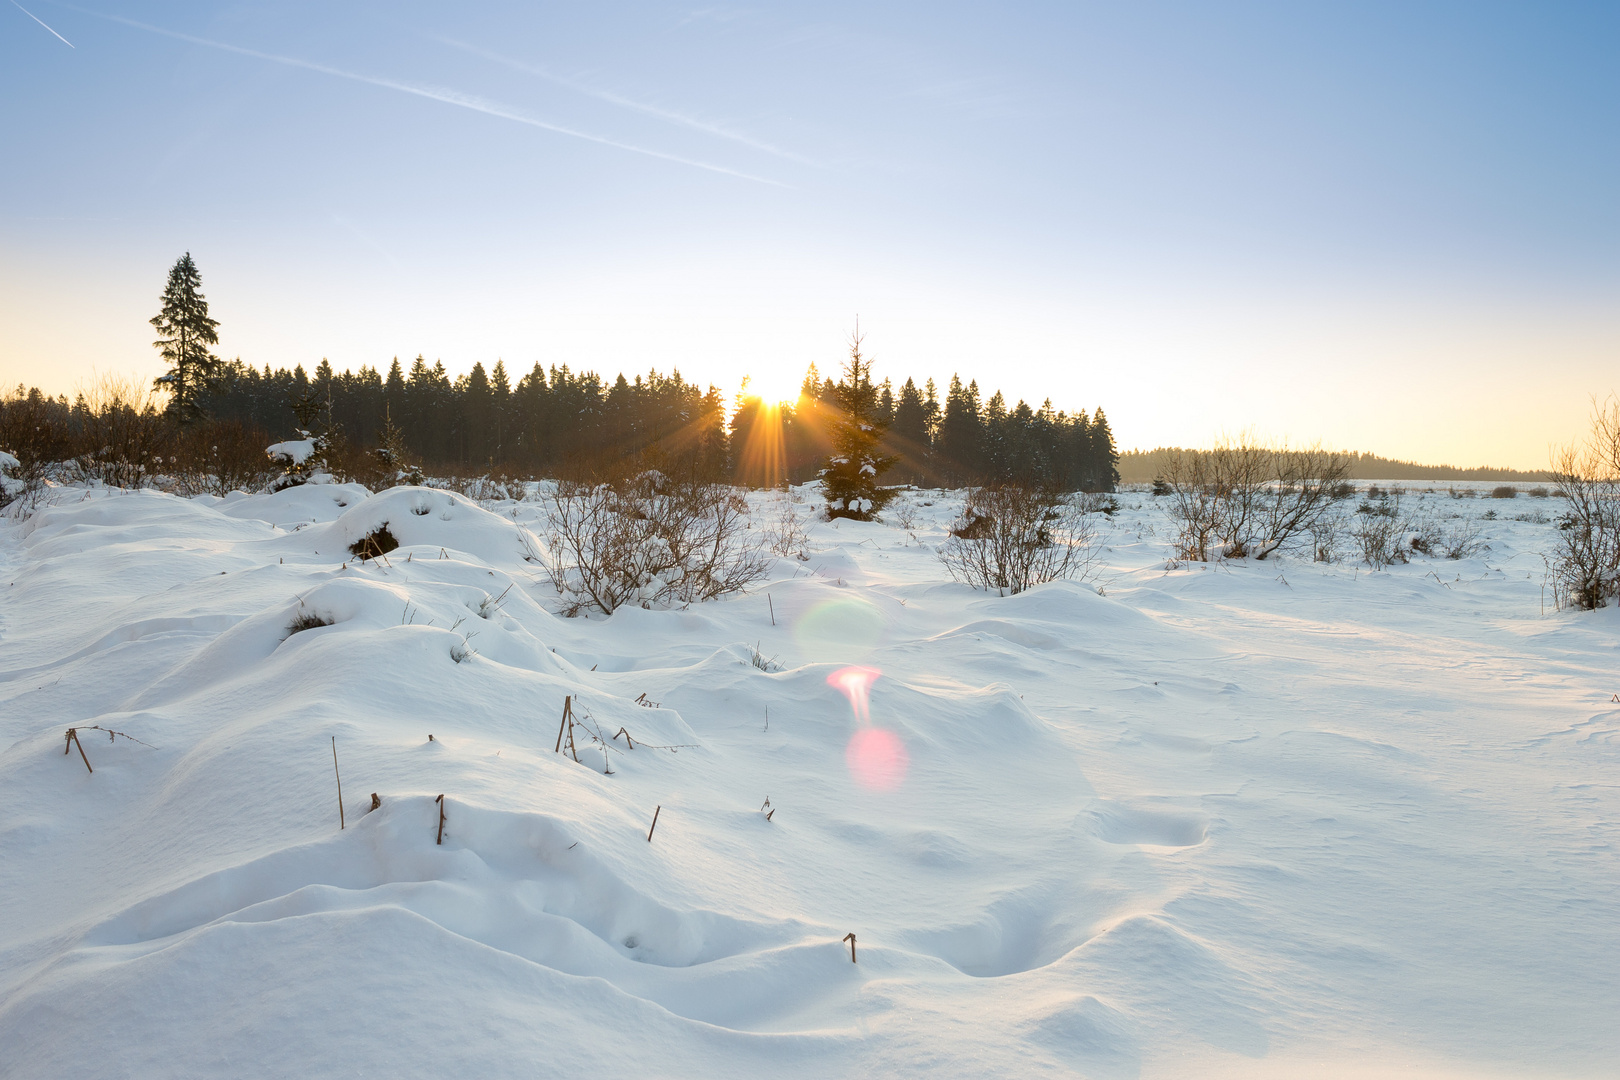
{"type": "Point", "coordinates": [1247, 819]}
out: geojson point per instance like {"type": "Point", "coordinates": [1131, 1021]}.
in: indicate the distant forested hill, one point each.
{"type": "Point", "coordinates": [1141, 466]}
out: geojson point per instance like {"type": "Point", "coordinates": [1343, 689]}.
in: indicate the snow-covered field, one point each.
{"type": "Point", "coordinates": [1248, 819]}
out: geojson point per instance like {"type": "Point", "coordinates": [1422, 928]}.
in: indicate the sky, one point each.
{"type": "Point", "coordinates": [1390, 227]}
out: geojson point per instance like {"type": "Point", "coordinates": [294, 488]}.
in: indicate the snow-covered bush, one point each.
{"type": "Point", "coordinates": [1244, 498]}
{"type": "Point", "coordinates": [11, 486]}
{"type": "Point", "coordinates": [648, 540]}
{"type": "Point", "coordinates": [1009, 538]}
{"type": "Point", "coordinates": [301, 460]}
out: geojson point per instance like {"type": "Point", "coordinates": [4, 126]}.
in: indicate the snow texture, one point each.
{"type": "Point", "coordinates": [1242, 819]}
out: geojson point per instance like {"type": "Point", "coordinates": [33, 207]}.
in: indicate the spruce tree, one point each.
{"type": "Point", "coordinates": [909, 436]}
{"type": "Point", "coordinates": [184, 333]}
{"type": "Point", "coordinates": [1104, 456]}
{"type": "Point", "coordinates": [960, 432]}
{"type": "Point", "coordinates": [850, 478]}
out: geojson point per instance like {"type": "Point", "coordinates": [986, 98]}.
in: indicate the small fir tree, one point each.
{"type": "Point", "coordinates": [184, 333]}
{"type": "Point", "coordinates": [850, 478]}
{"type": "Point", "coordinates": [394, 457]}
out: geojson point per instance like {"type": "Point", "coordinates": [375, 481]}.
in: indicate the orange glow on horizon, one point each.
{"type": "Point", "coordinates": [762, 461]}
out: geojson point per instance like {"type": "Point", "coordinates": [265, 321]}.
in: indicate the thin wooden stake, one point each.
{"type": "Point", "coordinates": [440, 801]}
{"type": "Point", "coordinates": [654, 824]}
{"type": "Point", "coordinates": [73, 738]}
{"type": "Point", "coordinates": [773, 608]}
{"type": "Point", "coordinates": [850, 937]}
{"type": "Point", "coordinates": [567, 712]}
{"type": "Point", "coordinates": [341, 823]}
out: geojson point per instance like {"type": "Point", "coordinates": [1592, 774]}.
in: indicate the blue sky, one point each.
{"type": "Point", "coordinates": [1393, 227]}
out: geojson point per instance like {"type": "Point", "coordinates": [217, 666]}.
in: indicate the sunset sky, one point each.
{"type": "Point", "coordinates": [1390, 227]}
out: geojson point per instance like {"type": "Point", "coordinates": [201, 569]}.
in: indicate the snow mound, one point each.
{"type": "Point", "coordinates": [1235, 819]}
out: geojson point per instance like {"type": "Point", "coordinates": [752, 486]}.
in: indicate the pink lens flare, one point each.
{"type": "Point", "coordinates": [876, 758]}
{"type": "Point", "coordinates": [855, 683]}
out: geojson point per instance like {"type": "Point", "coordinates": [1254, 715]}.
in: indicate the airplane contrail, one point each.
{"type": "Point", "coordinates": [673, 117]}
{"type": "Point", "coordinates": [434, 93]}
{"type": "Point", "coordinates": [41, 22]}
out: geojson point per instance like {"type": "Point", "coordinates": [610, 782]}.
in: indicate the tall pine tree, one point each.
{"type": "Point", "coordinates": [184, 333]}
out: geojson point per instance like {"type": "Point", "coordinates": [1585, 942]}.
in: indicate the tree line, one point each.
{"type": "Point", "coordinates": [549, 421]}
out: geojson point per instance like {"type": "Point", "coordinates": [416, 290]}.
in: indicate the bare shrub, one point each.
{"type": "Point", "coordinates": [1538, 492]}
{"type": "Point", "coordinates": [306, 619]}
{"type": "Point", "coordinates": [123, 436]}
{"type": "Point", "coordinates": [1244, 498]}
{"type": "Point", "coordinates": [1504, 491]}
{"type": "Point", "coordinates": [219, 457]}
{"type": "Point", "coordinates": [785, 533]}
{"type": "Point", "coordinates": [375, 544]}
{"type": "Point", "coordinates": [1585, 561]}
{"type": "Point", "coordinates": [1380, 532]}
{"type": "Point", "coordinates": [1461, 538]}
{"type": "Point", "coordinates": [902, 513]}
{"type": "Point", "coordinates": [1327, 537]}
{"type": "Point", "coordinates": [1097, 502]}
{"type": "Point", "coordinates": [649, 540]}
{"type": "Point", "coordinates": [1011, 537]}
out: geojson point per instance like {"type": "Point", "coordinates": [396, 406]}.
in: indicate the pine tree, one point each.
{"type": "Point", "coordinates": [909, 436]}
{"type": "Point", "coordinates": [1104, 456]}
{"type": "Point", "coordinates": [960, 433]}
{"type": "Point", "coordinates": [184, 333]}
{"type": "Point", "coordinates": [850, 478]}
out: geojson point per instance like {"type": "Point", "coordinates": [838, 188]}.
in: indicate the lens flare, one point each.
{"type": "Point", "coordinates": [855, 683]}
{"type": "Point", "coordinates": [841, 631]}
{"type": "Point", "coordinates": [876, 758]}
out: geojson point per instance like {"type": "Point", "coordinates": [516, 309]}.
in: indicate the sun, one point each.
{"type": "Point", "coordinates": [774, 385]}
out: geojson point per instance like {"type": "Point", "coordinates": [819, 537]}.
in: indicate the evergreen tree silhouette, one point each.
{"type": "Point", "coordinates": [184, 333]}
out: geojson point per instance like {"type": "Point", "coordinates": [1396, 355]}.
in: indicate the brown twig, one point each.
{"type": "Point", "coordinates": [566, 711]}
{"type": "Point", "coordinates": [628, 740]}
{"type": "Point", "coordinates": [850, 937]}
{"type": "Point", "coordinates": [654, 823]}
{"type": "Point", "coordinates": [112, 735]}
{"type": "Point", "coordinates": [341, 824]}
{"type": "Point", "coordinates": [73, 740]}
{"type": "Point", "coordinates": [440, 801]}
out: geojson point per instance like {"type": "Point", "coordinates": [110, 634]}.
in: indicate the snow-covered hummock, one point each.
{"type": "Point", "coordinates": [1268, 819]}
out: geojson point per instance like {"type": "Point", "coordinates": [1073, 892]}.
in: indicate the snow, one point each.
{"type": "Point", "coordinates": [293, 451]}
{"type": "Point", "coordinates": [1250, 818]}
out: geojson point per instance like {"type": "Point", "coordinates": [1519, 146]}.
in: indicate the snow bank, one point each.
{"type": "Point", "coordinates": [1233, 819]}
